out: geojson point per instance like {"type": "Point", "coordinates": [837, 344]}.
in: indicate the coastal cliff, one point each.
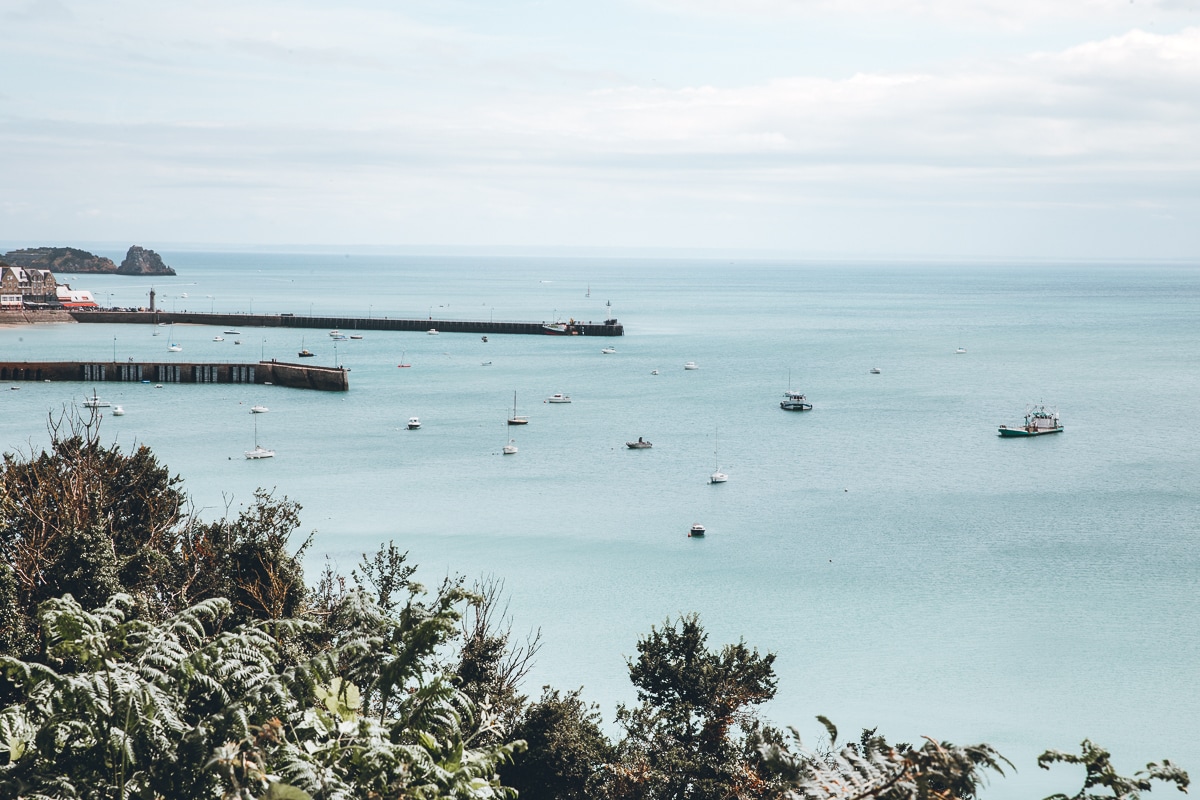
{"type": "Point", "coordinates": [138, 261]}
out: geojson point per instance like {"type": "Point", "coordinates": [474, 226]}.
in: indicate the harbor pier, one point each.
{"type": "Point", "coordinates": [487, 327]}
{"type": "Point", "coordinates": [294, 376]}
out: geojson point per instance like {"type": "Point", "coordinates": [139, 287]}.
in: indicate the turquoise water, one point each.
{"type": "Point", "coordinates": [911, 569]}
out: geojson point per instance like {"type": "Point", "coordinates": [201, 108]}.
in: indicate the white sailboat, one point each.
{"type": "Point", "coordinates": [516, 419]}
{"type": "Point", "coordinates": [717, 476]}
{"type": "Point", "coordinates": [259, 451]}
{"type": "Point", "coordinates": [511, 447]}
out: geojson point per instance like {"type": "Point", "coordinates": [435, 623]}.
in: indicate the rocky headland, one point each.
{"type": "Point", "coordinates": [138, 261]}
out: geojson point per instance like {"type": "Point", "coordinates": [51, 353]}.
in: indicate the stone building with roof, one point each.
{"type": "Point", "coordinates": [21, 287]}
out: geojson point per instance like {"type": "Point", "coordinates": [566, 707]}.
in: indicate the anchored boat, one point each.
{"type": "Point", "coordinates": [1038, 421]}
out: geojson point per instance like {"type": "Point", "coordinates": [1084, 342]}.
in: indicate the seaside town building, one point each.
{"type": "Point", "coordinates": [21, 288]}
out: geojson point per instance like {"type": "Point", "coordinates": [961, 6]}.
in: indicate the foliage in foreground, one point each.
{"type": "Point", "coordinates": [125, 708]}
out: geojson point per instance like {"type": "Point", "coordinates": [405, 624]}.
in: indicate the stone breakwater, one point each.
{"type": "Point", "coordinates": [294, 376]}
{"type": "Point", "coordinates": [486, 327]}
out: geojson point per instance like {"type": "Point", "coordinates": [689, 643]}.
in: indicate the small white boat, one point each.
{"type": "Point", "coordinates": [653, 372]}
{"type": "Point", "coordinates": [717, 476]}
{"type": "Point", "coordinates": [118, 411]}
{"type": "Point", "coordinates": [158, 386]}
{"type": "Point", "coordinates": [511, 447]}
{"type": "Point", "coordinates": [960, 351]}
{"type": "Point", "coordinates": [696, 530]}
{"type": "Point", "coordinates": [341, 337]}
{"type": "Point", "coordinates": [795, 401]}
{"type": "Point", "coordinates": [691, 365]}
{"type": "Point", "coordinates": [608, 350]}
{"type": "Point", "coordinates": [259, 409]}
{"type": "Point", "coordinates": [218, 338]}
{"type": "Point", "coordinates": [414, 423]}
{"type": "Point", "coordinates": [259, 451]}
{"type": "Point", "coordinates": [432, 332]}
{"type": "Point", "coordinates": [335, 333]}
{"type": "Point", "coordinates": [232, 332]}
{"type": "Point", "coordinates": [558, 398]}
{"type": "Point", "coordinates": [356, 336]}
{"type": "Point", "coordinates": [640, 444]}
{"type": "Point", "coordinates": [874, 370]}
{"type": "Point", "coordinates": [95, 402]}
{"type": "Point", "coordinates": [516, 419]}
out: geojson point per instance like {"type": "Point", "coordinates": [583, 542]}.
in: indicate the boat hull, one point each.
{"type": "Point", "coordinates": [786, 406]}
{"type": "Point", "coordinates": [1018, 432]}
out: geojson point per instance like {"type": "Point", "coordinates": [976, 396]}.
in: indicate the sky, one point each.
{"type": "Point", "coordinates": [942, 129]}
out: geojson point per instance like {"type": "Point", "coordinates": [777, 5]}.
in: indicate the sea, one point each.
{"type": "Point", "coordinates": [911, 570]}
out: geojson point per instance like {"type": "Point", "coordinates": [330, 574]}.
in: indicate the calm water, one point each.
{"type": "Point", "coordinates": [911, 569]}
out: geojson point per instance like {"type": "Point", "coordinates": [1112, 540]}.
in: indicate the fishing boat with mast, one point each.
{"type": "Point", "coordinates": [1039, 421]}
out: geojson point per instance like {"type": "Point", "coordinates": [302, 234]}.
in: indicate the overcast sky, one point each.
{"type": "Point", "coordinates": [809, 128]}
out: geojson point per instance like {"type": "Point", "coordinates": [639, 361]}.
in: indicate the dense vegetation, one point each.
{"type": "Point", "coordinates": [149, 654]}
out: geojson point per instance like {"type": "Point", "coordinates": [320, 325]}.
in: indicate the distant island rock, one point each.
{"type": "Point", "coordinates": [59, 259]}
{"type": "Point", "coordinates": [138, 261]}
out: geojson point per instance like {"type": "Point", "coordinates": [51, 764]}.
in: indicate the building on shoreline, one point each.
{"type": "Point", "coordinates": [21, 288]}
{"type": "Point", "coordinates": [28, 288]}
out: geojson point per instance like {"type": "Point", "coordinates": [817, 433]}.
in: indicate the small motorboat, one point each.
{"type": "Point", "coordinates": [794, 401]}
{"type": "Point", "coordinates": [306, 353]}
{"type": "Point", "coordinates": [432, 332]}
{"type": "Point", "coordinates": [230, 332]}
{"type": "Point", "coordinates": [960, 351]}
{"type": "Point", "coordinates": [511, 447]}
{"type": "Point", "coordinates": [158, 386]}
{"type": "Point", "coordinates": [484, 338]}
{"type": "Point", "coordinates": [874, 370]}
{"type": "Point", "coordinates": [414, 423]}
{"type": "Point", "coordinates": [174, 348]}
{"type": "Point", "coordinates": [118, 411]}
{"type": "Point", "coordinates": [653, 372]}
{"type": "Point", "coordinates": [558, 398]}
{"type": "Point", "coordinates": [356, 336]}
{"type": "Point", "coordinates": [486, 364]}
{"type": "Point", "coordinates": [237, 341]}
{"type": "Point", "coordinates": [259, 409]}
{"type": "Point", "coordinates": [608, 350]}
{"type": "Point", "coordinates": [95, 402]}
{"type": "Point", "coordinates": [696, 530]}
{"type": "Point", "coordinates": [691, 365]}
{"type": "Point", "coordinates": [718, 477]}
{"type": "Point", "coordinates": [335, 333]}
{"type": "Point", "coordinates": [341, 337]}
{"type": "Point", "coordinates": [218, 338]}
{"type": "Point", "coordinates": [640, 444]}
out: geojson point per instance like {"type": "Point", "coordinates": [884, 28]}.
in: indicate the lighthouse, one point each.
{"type": "Point", "coordinates": [611, 319]}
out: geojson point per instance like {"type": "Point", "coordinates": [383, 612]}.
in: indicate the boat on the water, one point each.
{"type": "Point", "coordinates": [432, 332]}
{"type": "Point", "coordinates": [95, 402]}
{"type": "Point", "coordinates": [691, 365]}
{"type": "Point", "coordinates": [558, 398]}
{"type": "Point", "coordinates": [259, 409]}
{"type": "Point", "coordinates": [356, 336]}
{"type": "Point", "coordinates": [795, 401]}
{"type": "Point", "coordinates": [174, 348]}
{"type": "Point", "coordinates": [640, 444]}
{"type": "Point", "coordinates": [696, 530]}
{"type": "Point", "coordinates": [414, 423]}
{"type": "Point", "coordinates": [1038, 421]}
{"type": "Point", "coordinates": [306, 353]}
{"type": "Point", "coordinates": [118, 411]}
{"type": "Point", "coordinates": [230, 332]}
{"type": "Point", "coordinates": [218, 338]}
{"type": "Point", "coordinates": [259, 451]}
{"type": "Point", "coordinates": [511, 447]}
{"type": "Point", "coordinates": [556, 328]}
{"type": "Point", "coordinates": [516, 419]}
{"type": "Point", "coordinates": [874, 370]}
{"type": "Point", "coordinates": [608, 350]}
{"type": "Point", "coordinates": [717, 476]}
